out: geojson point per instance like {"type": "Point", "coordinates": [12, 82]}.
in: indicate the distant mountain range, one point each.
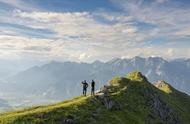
{"type": "Point", "coordinates": [62, 80]}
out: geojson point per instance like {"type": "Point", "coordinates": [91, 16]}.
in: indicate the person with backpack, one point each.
{"type": "Point", "coordinates": [85, 86]}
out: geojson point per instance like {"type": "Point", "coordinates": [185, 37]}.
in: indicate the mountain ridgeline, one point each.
{"type": "Point", "coordinates": [125, 100]}
{"type": "Point", "coordinates": [57, 81]}
{"type": "Point", "coordinates": [57, 77]}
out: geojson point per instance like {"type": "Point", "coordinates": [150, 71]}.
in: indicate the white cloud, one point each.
{"type": "Point", "coordinates": [19, 4]}
{"type": "Point", "coordinates": [185, 32]}
{"type": "Point", "coordinates": [80, 36]}
{"type": "Point", "coordinates": [161, 1]}
{"type": "Point", "coordinates": [170, 52]}
{"type": "Point", "coordinates": [76, 24]}
{"type": "Point", "coordinates": [16, 47]}
{"type": "Point", "coordinates": [84, 26]}
{"type": "Point", "coordinates": [167, 19]}
{"type": "Point", "coordinates": [83, 56]}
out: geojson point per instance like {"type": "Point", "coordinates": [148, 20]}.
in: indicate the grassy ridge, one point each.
{"type": "Point", "coordinates": [129, 95]}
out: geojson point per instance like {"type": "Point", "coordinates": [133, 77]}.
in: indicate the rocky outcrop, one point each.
{"type": "Point", "coordinates": [163, 111]}
{"type": "Point", "coordinates": [106, 100]}
{"type": "Point", "coordinates": [165, 87]}
{"type": "Point", "coordinates": [109, 104]}
{"type": "Point", "coordinates": [160, 107]}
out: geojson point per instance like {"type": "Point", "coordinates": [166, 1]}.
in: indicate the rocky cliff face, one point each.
{"type": "Point", "coordinates": [165, 113]}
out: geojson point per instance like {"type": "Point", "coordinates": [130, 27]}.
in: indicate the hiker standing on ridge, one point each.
{"type": "Point", "coordinates": [85, 86]}
{"type": "Point", "coordinates": [92, 88]}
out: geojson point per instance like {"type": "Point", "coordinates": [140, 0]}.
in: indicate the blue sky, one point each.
{"type": "Point", "coordinates": [87, 30]}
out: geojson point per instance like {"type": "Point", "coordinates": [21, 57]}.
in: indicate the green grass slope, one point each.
{"type": "Point", "coordinates": [127, 100]}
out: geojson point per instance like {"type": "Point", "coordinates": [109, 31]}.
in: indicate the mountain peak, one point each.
{"type": "Point", "coordinates": [157, 59]}
{"type": "Point", "coordinates": [118, 81]}
{"type": "Point", "coordinates": [162, 85]}
{"type": "Point", "coordinates": [137, 76]}
{"type": "Point", "coordinates": [97, 62]}
{"type": "Point", "coordinates": [138, 58]}
{"type": "Point", "coordinates": [114, 60]}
